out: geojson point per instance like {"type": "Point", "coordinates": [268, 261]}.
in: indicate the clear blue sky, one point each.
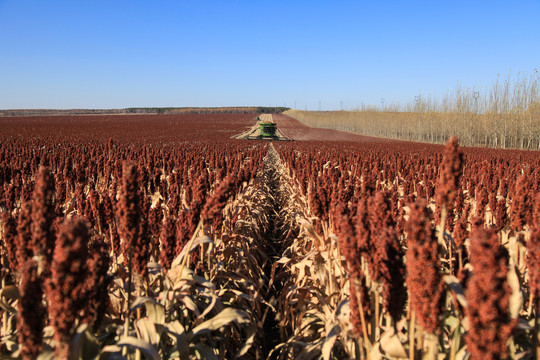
{"type": "Point", "coordinates": [115, 53]}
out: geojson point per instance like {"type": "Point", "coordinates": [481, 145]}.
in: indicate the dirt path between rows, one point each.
{"type": "Point", "coordinates": [281, 231]}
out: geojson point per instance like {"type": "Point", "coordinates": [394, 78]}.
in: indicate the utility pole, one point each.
{"type": "Point", "coordinates": [341, 105]}
{"type": "Point", "coordinates": [319, 105]}
{"type": "Point", "coordinates": [417, 102]}
{"type": "Point", "coordinates": [382, 104]}
{"type": "Point", "coordinates": [476, 95]}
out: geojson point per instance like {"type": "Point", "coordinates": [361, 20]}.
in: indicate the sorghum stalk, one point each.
{"type": "Point", "coordinates": [129, 216]}
{"type": "Point", "coordinates": [411, 334]}
{"type": "Point", "coordinates": [533, 266]}
{"type": "Point", "coordinates": [358, 294]}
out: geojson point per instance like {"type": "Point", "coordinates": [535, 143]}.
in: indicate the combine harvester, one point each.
{"type": "Point", "coordinates": [265, 129]}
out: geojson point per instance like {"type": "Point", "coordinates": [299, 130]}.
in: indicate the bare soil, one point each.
{"type": "Point", "coordinates": [299, 131]}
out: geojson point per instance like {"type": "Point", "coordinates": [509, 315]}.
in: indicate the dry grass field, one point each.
{"type": "Point", "coordinates": [507, 115]}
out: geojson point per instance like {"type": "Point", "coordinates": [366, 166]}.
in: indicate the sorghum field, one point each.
{"type": "Point", "coordinates": [159, 236]}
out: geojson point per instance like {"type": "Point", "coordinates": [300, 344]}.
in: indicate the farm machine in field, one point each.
{"type": "Point", "coordinates": [265, 129]}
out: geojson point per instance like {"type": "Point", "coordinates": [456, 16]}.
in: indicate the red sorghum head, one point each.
{"type": "Point", "coordinates": [97, 283]}
{"type": "Point", "coordinates": [450, 173]}
{"type": "Point", "coordinates": [31, 312]}
{"type": "Point", "coordinates": [501, 216]}
{"type": "Point", "coordinates": [24, 234]}
{"type": "Point", "coordinates": [129, 211]}
{"type": "Point", "coordinates": [536, 211]}
{"type": "Point", "coordinates": [141, 250]}
{"type": "Point", "coordinates": [65, 288]}
{"type": "Point", "coordinates": [460, 231]}
{"type": "Point", "coordinates": [521, 204]}
{"type": "Point", "coordinates": [359, 295]}
{"type": "Point", "coordinates": [488, 296]}
{"type": "Point", "coordinates": [481, 201]}
{"type": "Point", "coordinates": [212, 212]}
{"type": "Point", "coordinates": [384, 257]}
{"type": "Point", "coordinates": [391, 272]}
{"type": "Point", "coordinates": [424, 280]}
{"type": "Point", "coordinates": [362, 228]}
{"type": "Point", "coordinates": [533, 262]}
{"type": "Point", "coordinates": [168, 242]}
{"type": "Point", "coordinates": [43, 215]}
{"type": "Point", "coordinates": [9, 236]}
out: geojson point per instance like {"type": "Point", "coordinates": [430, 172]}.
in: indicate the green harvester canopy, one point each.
{"type": "Point", "coordinates": [267, 129]}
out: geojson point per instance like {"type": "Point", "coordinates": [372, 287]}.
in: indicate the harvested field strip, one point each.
{"type": "Point", "coordinates": [276, 237]}
{"type": "Point", "coordinates": [267, 118]}
{"type": "Point", "coordinates": [307, 281]}
{"type": "Point", "coordinates": [312, 302]}
{"type": "Point", "coordinates": [254, 132]}
{"type": "Point", "coordinates": [273, 217]}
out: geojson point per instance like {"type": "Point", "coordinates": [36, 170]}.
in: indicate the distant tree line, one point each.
{"type": "Point", "coordinates": [271, 109]}
{"type": "Point", "coordinates": [506, 115]}
{"type": "Point", "coordinates": [146, 110]}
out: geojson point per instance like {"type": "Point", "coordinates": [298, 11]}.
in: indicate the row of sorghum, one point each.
{"type": "Point", "coordinates": [355, 182]}
{"type": "Point", "coordinates": [76, 261]}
